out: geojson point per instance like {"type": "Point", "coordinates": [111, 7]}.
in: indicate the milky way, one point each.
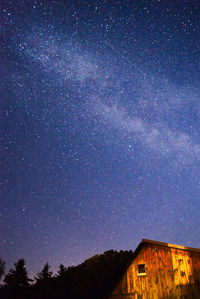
{"type": "Point", "coordinates": [100, 118]}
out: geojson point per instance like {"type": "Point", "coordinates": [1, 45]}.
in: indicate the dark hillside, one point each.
{"type": "Point", "coordinates": [94, 278]}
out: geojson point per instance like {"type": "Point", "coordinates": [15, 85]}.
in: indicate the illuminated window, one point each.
{"type": "Point", "coordinates": [141, 270]}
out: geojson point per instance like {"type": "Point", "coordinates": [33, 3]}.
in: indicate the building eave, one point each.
{"type": "Point", "coordinates": [169, 245]}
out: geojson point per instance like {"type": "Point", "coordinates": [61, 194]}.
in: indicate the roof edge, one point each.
{"type": "Point", "coordinates": [169, 245]}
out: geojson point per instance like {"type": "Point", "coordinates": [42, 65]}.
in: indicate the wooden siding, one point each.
{"type": "Point", "coordinates": [170, 273]}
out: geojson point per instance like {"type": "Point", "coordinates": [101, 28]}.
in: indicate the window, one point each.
{"type": "Point", "coordinates": [141, 270]}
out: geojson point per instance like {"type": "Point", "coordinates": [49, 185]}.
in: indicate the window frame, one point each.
{"type": "Point", "coordinates": [141, 273]}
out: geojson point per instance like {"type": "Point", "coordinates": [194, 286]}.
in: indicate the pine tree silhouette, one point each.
{"type": "Point", "coordinates": [44, 274]}
{"type": "Point", "coordinates": [17, 277]}
{"type": "Point", "coordinates": [62, 270]}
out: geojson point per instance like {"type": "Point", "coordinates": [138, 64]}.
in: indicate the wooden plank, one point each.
{"type": "Point", "coordinates": [170, 273]}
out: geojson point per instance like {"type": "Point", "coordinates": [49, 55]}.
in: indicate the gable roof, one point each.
{"type": "Point", "coordinates": [145, 241]}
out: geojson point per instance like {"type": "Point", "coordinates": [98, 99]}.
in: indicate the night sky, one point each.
{"type": "Point", "coordinates": [100, 131]}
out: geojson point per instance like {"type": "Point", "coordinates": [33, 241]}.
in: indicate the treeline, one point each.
{"type": "Point", "coordinates": [94, 278]}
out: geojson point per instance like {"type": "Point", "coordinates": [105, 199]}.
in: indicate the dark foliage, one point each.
{"type": "Point", "coordinates": [16, 282]}
{"type": "Point", "coordinates": [95, 278]}
{"type": "Point", "coordinates": [44, 275]}
{"type": "Point", "coordinates": [17, 277]}
{"type": "Point", "coordinates": [2, 268]}
{"type": "Point", "coordinates": [62, 270]}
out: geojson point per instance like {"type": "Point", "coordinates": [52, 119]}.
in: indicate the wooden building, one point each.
{"type": "Point", "coordinates": [160, 270]}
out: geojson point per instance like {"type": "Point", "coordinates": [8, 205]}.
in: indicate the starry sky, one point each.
{"type": "Point", "coordinates": [100, 131]}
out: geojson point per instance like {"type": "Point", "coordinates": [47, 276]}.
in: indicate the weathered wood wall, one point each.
{"type": "Point", "coordinates": [170, 273]}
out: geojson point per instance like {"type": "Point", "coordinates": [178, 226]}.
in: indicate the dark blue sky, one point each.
{"type": "Point", "coordinates": [100, 142]}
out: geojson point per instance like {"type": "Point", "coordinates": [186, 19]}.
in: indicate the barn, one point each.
{"type": "Point", "coordinates": [160, 270]}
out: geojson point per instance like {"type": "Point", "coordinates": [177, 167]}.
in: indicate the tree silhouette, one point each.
{"type": "Point", "coordinates": [95, 277]}
{"type": "Point", "coordinates": [2, 268]}
{"type": "Point", "coordinates": [44, 274]}
{"type": "Point", "coordinates": [62, 270]}
{"type": "Point", "coordinates": [17, 277]}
